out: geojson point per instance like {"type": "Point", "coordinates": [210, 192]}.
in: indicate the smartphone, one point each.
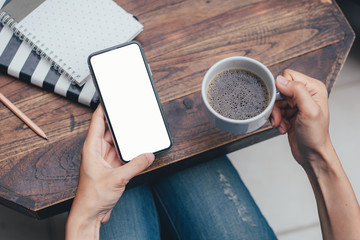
{"type": "Point", "coordinates": [128, 96]}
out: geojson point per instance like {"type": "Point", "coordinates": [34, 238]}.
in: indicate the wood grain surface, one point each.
{"type": "Point", "coordinates": [181, 40]}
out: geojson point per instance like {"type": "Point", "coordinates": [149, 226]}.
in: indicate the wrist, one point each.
{"type": "Point", "coordinates": [82, 228]}
{"type": "Point", "coordinates": [323, 162]}
{"type": "Point", "coordinates": [81, 224]}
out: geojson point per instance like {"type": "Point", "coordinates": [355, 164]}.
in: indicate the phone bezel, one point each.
{"type": "Point", "coordinates": [153, 87]}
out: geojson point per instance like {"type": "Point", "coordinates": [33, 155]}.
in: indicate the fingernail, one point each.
{"type": "Point", "coordinates": [150, 157]}
{"type": "Point", "coordinates": [282, 80]}
{"type": "Point", "coordinates": [282, 128]}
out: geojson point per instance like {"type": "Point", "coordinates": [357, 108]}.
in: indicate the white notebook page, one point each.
{"type": "Point", "coordinates": [69, 30]}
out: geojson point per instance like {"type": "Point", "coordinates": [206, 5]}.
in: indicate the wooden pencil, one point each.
{"type": "Point", "coordinates": [22, 116]}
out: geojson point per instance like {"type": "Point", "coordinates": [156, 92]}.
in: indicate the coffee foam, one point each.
{"type": "Point", "coordinates": [238, 94]}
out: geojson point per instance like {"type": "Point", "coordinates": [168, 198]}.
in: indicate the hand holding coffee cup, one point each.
{"type": "Point", "coordinates": [239, 94]}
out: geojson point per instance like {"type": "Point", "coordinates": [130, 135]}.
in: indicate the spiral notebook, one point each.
{"type": "Point", "coordinates": [65, 32]}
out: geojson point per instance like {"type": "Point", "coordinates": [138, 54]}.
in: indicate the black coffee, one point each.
{"type": "Point", "coordinates": [238, 94]}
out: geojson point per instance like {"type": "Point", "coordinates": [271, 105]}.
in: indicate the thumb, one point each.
{"type": "Point", "coordinates": [297, 91]}
{"type": "Point", "coordinates": [134, 167]}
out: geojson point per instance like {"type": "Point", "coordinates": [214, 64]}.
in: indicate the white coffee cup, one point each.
{"type": "Point", "coordinates": [232, 125]}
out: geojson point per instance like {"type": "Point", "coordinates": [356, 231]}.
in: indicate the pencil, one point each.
{"type": "Point", "coordinates": [22, 116]}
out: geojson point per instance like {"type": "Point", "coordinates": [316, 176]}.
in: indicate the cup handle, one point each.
{"type": "Point", "coordinates": [279, 96]}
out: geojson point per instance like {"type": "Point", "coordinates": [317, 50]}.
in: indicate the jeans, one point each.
{"type": "Point", "coordinates": [208, 201]}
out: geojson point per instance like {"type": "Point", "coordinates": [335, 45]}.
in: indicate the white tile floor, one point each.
{"type": "Point", "coordinates": [275, 180]}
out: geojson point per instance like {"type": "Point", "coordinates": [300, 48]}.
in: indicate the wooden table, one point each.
{"type": "Point", "coordinates": [181, 39]}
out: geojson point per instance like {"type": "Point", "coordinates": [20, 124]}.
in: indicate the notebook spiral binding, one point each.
{"type": "Point", "coordinates": [6, 19]}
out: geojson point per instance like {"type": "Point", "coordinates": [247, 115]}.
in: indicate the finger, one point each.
{"type": "Point", "coordinates": [134, 167]}
{"type": "Point", "coordinates": [108, 138]}
{"type": "Point", "coordinates": [289, 113]}
{"type": "Point", "coordinates": [276, 113]}
{"type": "Point", "coordinates": [295, 76]}
{"type": "Point", "coordinates": [112, 157]}
{"type": "Point", "coordinates": [312, 85]}
{"type": "Point", "coordinates": [297, 91]}
{"type": "Point", "coordinates": [275, 117]}
{"type": "Point", "coordinates": [291, 102]}
{"type": "Point", "coordinates": [284, 126]}
{"type": "Point", "coordinates": [97, 124]}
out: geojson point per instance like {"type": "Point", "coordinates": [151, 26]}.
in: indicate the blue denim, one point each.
{"type": "Point", "coordinates": [133, 217]}
{"type": "Point", "coordinates": [208, 201]}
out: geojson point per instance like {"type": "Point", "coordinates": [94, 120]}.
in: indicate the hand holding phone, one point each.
{"type": "Point", "coordinates": [128, 96]}
{"type": "Point", "coordinates": [100, 168]}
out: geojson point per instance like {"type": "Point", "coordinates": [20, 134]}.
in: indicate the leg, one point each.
{"type": "Point", "coordinates": [133, 217]}
{"type": "Point", "coordinates": [209, 201]}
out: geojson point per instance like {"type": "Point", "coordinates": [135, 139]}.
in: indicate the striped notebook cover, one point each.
{"type": "Point", "coordinates": [18, 60]}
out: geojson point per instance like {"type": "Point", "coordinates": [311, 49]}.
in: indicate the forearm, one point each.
{"type": "Point", "coordinates": [79, 226]}
{"type": "Point", "coordinates": [82, 231]}
{"type": "Point", "coordinates": [338, 208]}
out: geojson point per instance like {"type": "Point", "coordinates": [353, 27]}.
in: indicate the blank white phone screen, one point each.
{"type": "Point", "coordinates": [130, 102]}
